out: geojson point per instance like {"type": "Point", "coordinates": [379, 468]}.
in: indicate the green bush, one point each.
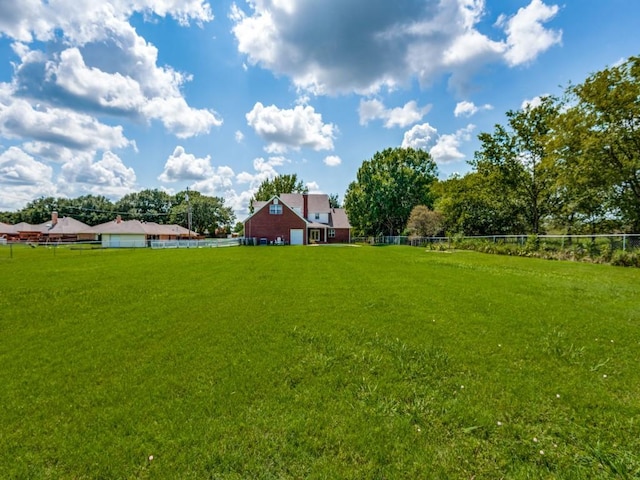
{"type": "Point", "coordinates": [586, 251]}
{"type": "Point", "coordinates": [625, 259]}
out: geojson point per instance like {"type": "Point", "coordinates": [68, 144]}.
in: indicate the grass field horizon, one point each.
{"type": "Point", "coordinates": [297, 362]}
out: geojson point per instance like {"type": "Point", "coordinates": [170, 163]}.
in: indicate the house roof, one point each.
{"type": "Point", "coordinates": [136, 227]}
{"type": "Point", "coordinates": [66, 226]}
{"type": "Point", "coordinates": [5, 228]}
{"type": "Point", "coordinates": [339, 218]}
{"type": "Point", "coordinates": [27, 227]}
{"type": "Point", "coordinates": [317, 203]}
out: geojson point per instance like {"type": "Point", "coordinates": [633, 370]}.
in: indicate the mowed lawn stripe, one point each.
{"type": "Point", "coordinates": [313, 362]}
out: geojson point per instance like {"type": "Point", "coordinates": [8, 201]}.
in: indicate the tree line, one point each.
{"type": "Point", "coordinates": [568, 164]}
{"type": "Point", "coordinates": [209, 215]}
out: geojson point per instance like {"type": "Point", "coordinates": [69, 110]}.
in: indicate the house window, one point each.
{"type": "Point", "coordinates": [275, 209]}
{"type": "Point", "coordinates": [332, 233]}
{"type": "Point", "coordinates": [314, 235]}
{"type": "Point", "coordinates": [317, 216]}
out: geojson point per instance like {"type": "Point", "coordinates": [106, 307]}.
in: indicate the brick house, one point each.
{"type": "Point", "coordinates": [297, 219]}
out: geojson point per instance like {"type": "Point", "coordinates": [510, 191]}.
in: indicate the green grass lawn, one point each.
{"type": "Point", "coordinates": [296, 362]}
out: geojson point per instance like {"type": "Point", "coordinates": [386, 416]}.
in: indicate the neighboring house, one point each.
{"type": "Point", "coordinates": [297, 219]}
{"type": "Point", "coordinates": [25, 232]}
{"type": "Point", "coordinates": [6, 232]}
{"type": "Point", "coordinates": [134, 233]}
{"type": "Point", "coordinates": [65, 229]}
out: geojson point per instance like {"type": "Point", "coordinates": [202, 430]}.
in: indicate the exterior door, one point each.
{"type": "Point", "coordinates": [297, 236]}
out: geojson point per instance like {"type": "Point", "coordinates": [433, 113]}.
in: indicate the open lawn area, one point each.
{"type": "Point", "coordinates": [299, 362]}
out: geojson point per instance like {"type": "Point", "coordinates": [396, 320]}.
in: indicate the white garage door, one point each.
{"type": "Point", "coordinates": [297, 237]}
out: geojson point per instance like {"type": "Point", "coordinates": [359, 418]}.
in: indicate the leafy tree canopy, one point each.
{"type": "Point", "coordinates": [513, 160]}
{"type": "Point", "coordinates": [601, 138]}
{"type": "Point", "coordinates": [424, 222]}
{"type": "Point", "coordinates": [387, 188]}
{"type": "Point", "coordinates": [287, 183]}
{"type": "Point", "coordinates": [147, 205]}
{"type": "Point", "coordinates": [208, 214]}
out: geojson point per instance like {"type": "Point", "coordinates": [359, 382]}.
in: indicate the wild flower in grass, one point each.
{"type": "Point", "coordinates": [541, 452]}
{"type": "Point", "coordinates": [499, 423]}
{"type": "Point", "coordinates": [150, 457]}
{"type": "Point", "coordinates": [535, 439]}
{"type": "Point", "coordinates": [461, 387]}
{"type": "Point", "coordinates": [604, 376]}
{"type": "Point", "coordinates": [557, 395]}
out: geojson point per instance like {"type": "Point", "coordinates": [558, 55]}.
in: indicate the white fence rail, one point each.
{"type": "Point", "coordinates": [207, 243]}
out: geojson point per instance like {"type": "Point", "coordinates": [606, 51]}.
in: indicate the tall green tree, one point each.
{"type": "Point", "coordinates": [39, 210]}
{"type": "Point", "coordinates": [89, 209]}
{"type": "Point", "coordinates": [208, 214]}
{"type": "Point", "coordinates": [514, 160]}
{"type": "Point", "coordinates": [386, 189]}
{"type": "Point", "coordinates": [151, 205]}
{"type": "Point", "coordinates": [286, 183]}
{"type": "Point", "coordinates": [472, 205]}
{"type": "Point", "coordinates": [604, 136]}
{"type": "Point", "coordinates": [585, 193]}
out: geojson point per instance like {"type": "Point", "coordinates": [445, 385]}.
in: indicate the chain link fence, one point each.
{"type": "Point", "coordinates": [613, 241]}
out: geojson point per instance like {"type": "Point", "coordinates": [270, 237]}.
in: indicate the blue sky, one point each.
{"type": "Point", "coordinates": [111, 97]}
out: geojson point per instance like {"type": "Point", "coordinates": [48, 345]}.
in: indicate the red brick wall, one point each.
{"type": "Point", "coordinates": [264, 225]}
{"type": "Point", "coordinates": [342, 236]}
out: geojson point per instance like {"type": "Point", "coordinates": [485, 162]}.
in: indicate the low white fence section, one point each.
{"type": "Point", "coordinates": [206, 243]}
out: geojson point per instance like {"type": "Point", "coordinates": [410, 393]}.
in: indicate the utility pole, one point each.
{"type": "Point", "coordinates": [188, 216]}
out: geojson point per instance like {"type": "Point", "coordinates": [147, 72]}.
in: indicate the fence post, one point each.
{"type": "Point", "coordinates": [624, 242]}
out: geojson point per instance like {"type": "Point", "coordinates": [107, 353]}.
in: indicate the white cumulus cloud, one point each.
{"type": "Point", "coordinates": [526, 35]}
{"type": "Point", "coordinates": [447, 147]}
{"type": "Point", "coordinates": [185, 166]}
{"type": "Point", "coordinates": [19, 168]}
{"type": "Point", "coordinates": [108, 176]}
{"type": "Point", "coordinates": [60, 126]}
{"type": "Point", "coordinates": [443, 148]}
{"type": "Point", "coordinates": [332, 160]}
{"type": "Point", "coordinates": [337, 46]}
{"type": "Point", "coordinates": [402, 117]}
{"type": "Point", "coordinates": [420, 137]}
{"type": "Point", "coordinates": [294, 128]}
{"type": "Point", "coordinates": [468, 109]}
{"type": "Point", "coordinates": [533, 102]}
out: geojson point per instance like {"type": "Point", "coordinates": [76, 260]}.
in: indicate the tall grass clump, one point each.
{"type": "Point", "coordinates": [582, 250]}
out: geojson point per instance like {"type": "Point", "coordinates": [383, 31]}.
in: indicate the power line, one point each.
{"type": "Point", "coordinates": [97, 210]}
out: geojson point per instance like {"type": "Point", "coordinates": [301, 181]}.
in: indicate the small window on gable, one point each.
{"type": "Point", "coordinates": [275, 209]}
{"type": "Point", "coordinates": [317, 216]}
